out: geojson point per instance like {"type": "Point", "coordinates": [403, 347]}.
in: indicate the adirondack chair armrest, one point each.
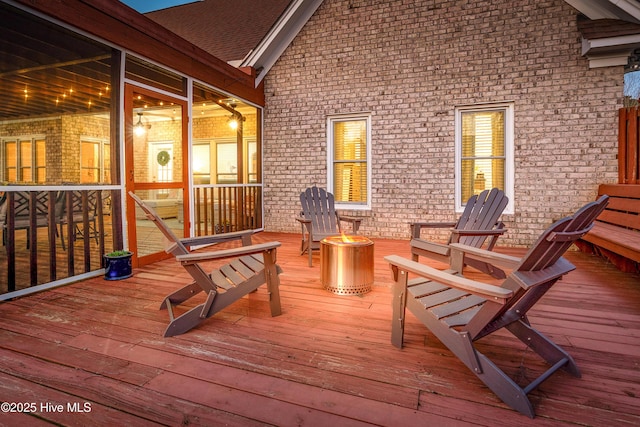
{"type": "Point", "coordinates": [416, 227]}
{"type": "Point", "coordinates": [493, 235]}
{"type": "Point", "coordinates": [494, 232]}
{"type": "Point", "coordinates": [493, 258]}
{"type": "Point", "coordinates": [303, 220]}
{"type": "Point", "coordinates": [355, 221]}
{"type": "Point", "coordinates": [195, 258]}
{"type": "Point", "coordinates": [244, 235]}
{"type": "Point", "coordinates": [305, 223]}
{"type": "Point", "coordinates": [495, 293]}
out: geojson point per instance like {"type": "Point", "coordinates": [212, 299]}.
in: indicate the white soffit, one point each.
{"type": "Point", "coordinates": [626, 10]}
{"type": "Point", "coordinates": [609, 51]}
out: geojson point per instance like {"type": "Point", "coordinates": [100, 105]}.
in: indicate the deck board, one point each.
{"type": "Point", "coordinates": [326, 360]}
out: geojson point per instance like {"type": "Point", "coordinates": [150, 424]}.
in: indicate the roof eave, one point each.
{"type": "Point", "coordinates": [280, 37]}
{"type": "Point", "coordinates": [625, 10]}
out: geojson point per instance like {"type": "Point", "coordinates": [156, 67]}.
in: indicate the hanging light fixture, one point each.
{"type": "Point", "coordinates": [233, 122]}
{"type": "Point", "coordinates": [633, 63]}
{"type": "Point", "coordinates": [236, 117]}
{"type": "Point", "coordinates": [139, 128]}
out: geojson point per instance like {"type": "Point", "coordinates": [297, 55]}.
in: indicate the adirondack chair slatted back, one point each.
{"type": "Point", "coordinates": [481, 213]}
{"type": "Point", "coordinates": [555, 241]}
{"type": "Point", "coordinates": [459, 311]}
{"type": "Point", "coordinates": [545, 254]}
{"type": "Point", "coordinates": [177, 248]}
{"type": "Point", "coordinates": [319, 206]}
{"type": "Point", "coordinates": [250, 267]}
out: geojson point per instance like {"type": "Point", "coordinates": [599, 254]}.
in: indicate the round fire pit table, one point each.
{"type": "Point", "coordinates": [346, 264]}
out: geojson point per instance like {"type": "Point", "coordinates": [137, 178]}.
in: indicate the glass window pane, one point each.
{"type": "Point", "coordinates": [220, 119]}
{"type": "Point", "coordinates": [106, 163]}
{"type": "Point", "coordinates": [41, 153]}
{"type": "Point", "coordinates": [483, 152]}
{"type": "Point", "coordinates": [150, 74]}
{"type": "Point", "coordinates": [25, 161]}
{"type": "Point", "coordinates": [227, 163]}
{"type": "Point", "coordinates": [61, 90]}
{"type": "Point", "coordinates": [252, 155]}
{"type": "Point", "coordinates": [483, 134]}
{"type": "Point", "coordinates": [350, 182]}
{"type": "Point", "coordinates": [89, 162]}
{"type": "Point", "coordinates": [350, 161]}
{"type": "Point", "coordinates": [11, 160]}
{"type": "Point", "coordinates": [157, 139]}
{"type": "Point", "coordinates": [350, 140]}
{"type": "Point", "coordinates": [201, 163]}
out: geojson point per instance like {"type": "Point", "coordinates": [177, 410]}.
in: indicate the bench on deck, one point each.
{"type": "Point", "coordinates": [616, 233]}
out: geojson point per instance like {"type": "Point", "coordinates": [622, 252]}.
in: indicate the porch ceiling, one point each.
{"type": "Point", "coordinates": [46, 71]}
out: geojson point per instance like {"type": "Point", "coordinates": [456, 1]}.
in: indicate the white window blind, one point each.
{"type": "Point", "coordinates": [350, 180]}
{"type": "Point", "coordinates": [483, 152]}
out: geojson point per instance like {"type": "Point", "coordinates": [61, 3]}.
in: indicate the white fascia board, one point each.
{"type": "Point", "coordinates": [613, 60]}
{"type": "Point", "coordinates": [610, 43]}
{"type": "Point", "coordinates": [280, 36]}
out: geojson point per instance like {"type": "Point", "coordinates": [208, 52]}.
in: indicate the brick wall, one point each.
{"type": "Point", "coordinates": [62, 138]}
{"type": "Point", "coordinates": [410, 63]}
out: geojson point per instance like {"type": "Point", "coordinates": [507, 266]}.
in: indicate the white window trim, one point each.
{"type": "Point", "coordinates": [509, 125]}
{"type": "Point", "coordinates": [344, 118]}
{"type": "Point", "coordinates": [30, 138]}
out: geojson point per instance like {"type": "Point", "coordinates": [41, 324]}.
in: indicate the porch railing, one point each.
{"type": "Point", "coordinates": [221, 209]}
{"type": "Point", "coordinates": [629, 146]}
{"type": "Point", "coordinates": [53, 233]}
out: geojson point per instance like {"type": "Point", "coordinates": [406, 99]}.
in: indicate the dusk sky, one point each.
{"type": "Point", "coordinates": [144, 6]}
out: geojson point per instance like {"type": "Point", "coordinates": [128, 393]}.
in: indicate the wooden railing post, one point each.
{"type": "Point", "coordinates": [629, 146]}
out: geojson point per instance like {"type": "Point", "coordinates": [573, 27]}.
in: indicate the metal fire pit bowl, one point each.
{"type": "Point", "coordinates": [346, 267]}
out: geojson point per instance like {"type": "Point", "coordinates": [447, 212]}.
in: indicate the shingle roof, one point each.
{"type": "Point", "coordinates": [227, 29]}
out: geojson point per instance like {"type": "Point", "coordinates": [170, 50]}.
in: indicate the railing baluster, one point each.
{"type": "Point", "coordinates": [29, 259]}
{"type": "Point", "coordinates": [51, 230]}
{"type": "Point", "coordinates": [32, 236]}
{"type": "Point", "coordinates": [227, 208]}
{"type": "Point", "coordinates": [10, 242]}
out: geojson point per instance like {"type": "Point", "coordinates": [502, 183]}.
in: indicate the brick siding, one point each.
{"type": "Point", "coordinates": [410, 63]}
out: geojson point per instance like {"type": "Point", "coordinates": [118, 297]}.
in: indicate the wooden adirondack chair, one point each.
{"type": "Point", "coordinates": [478, 222]}
{"type": "Point", "coordinates": [460, 311]}
{"type": "Point", "coordinates": [250, 267]}
{"type": "Point", "coordinates": [319, 219]}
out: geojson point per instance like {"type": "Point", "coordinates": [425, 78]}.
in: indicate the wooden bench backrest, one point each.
{"type": "Point", "coordinates": [623, 209]}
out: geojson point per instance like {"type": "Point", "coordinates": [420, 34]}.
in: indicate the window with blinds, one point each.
{"type": "Point", "coordinates": [349, 160]}
{"type": "Point", "coordinates": [483, 152]}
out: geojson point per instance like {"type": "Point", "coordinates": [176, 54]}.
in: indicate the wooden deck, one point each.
{"type": "Point", "coordinates": [96, 348]}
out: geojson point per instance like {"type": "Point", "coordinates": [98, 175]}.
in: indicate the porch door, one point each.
{"type": "Point", "coordinates": [156, 164]}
